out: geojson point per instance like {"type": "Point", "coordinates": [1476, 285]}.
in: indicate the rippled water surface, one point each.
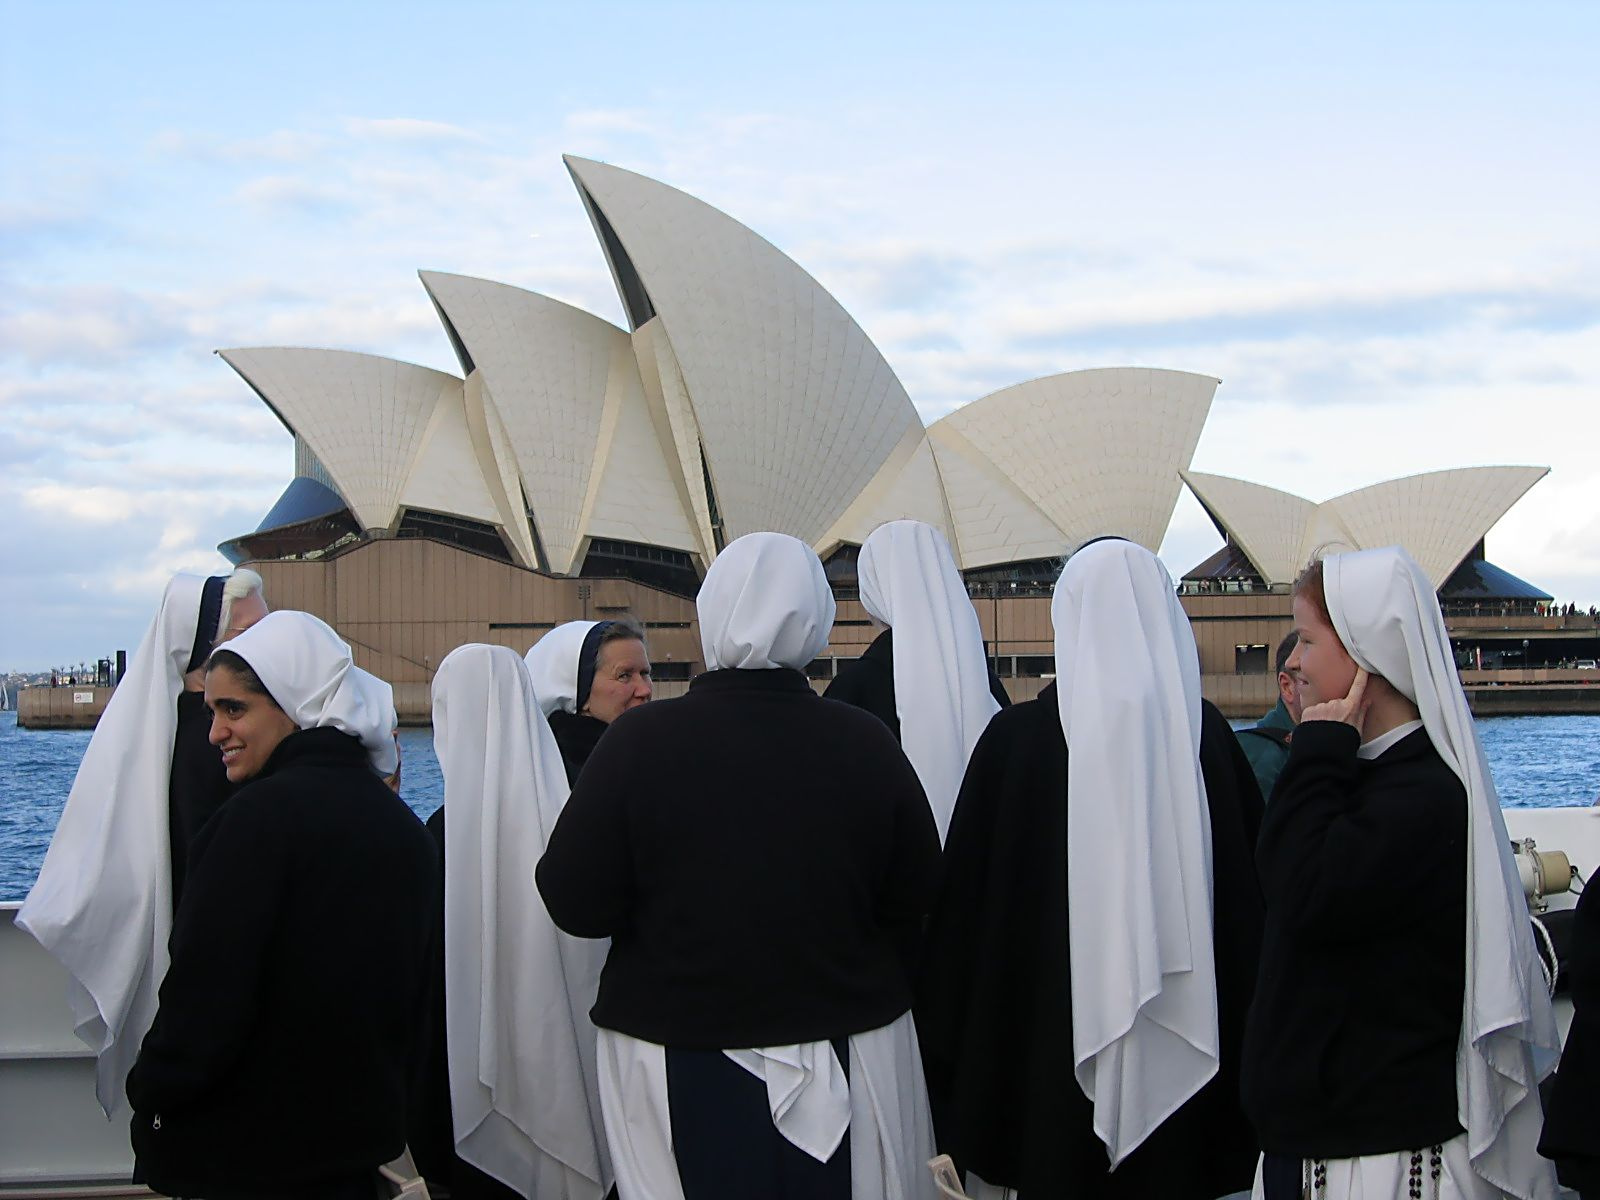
{"type": "Point", "coordinates": [1537, 762]}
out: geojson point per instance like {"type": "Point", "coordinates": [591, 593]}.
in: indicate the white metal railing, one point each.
{"type": "Point", "coordinates": [54, 1140]}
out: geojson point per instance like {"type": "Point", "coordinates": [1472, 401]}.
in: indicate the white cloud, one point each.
{"type": "Point", "coordinates": [411, 130]}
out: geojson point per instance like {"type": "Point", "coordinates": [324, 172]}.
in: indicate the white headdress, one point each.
{"type": "Point", "coordinates": [1387, 615]}
{"type": "Point", "coordinates": [553, 661]}
{"type": "Point", "coordinates": [102, 905]}
{"type": "Point", "coordinates": [765, 603]}
{"type": "Point", "coordinates": [523, 1084]}
{"type": "Point", "coordinates": [308, 670]}
{"type": "Point", "coordinates": [1144, 994]}
{"type": "Point", "coordinates": [909, 581]}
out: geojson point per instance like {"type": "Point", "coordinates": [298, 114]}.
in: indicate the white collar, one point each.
{"type": "Point", "coordinates": [1381, 743]}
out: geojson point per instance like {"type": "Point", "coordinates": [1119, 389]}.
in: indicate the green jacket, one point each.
{"type": "Point", "coordinates": [1267, 746]}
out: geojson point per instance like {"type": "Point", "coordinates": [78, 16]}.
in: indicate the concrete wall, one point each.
{"type": "Point", "coordinates": [61, 707]}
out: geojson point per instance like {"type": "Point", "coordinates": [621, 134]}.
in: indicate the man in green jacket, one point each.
{"type": "Point", "coordinates": [1267, 744]}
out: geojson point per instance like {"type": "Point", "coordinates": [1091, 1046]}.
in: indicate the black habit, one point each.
{"type": "Point", "coordinates": [868, 683]}
{"type": "Point", "coordinates": [761, 858]}
{"type": "Point", "coordinates": [432, 1139]}
{"type": "Point", "coordinates": [1351, 1044]}
{"type": "Point", "coordinates": [1572, 1121]}
{"type": "Point", "coordinates": [576, 736]}
{"type": "Point", "coordinates": [280, 1060]}
{"type": "Point", "coordinates": [197, 787]}
{"type": "Point", "coordinates": [994, 1007]}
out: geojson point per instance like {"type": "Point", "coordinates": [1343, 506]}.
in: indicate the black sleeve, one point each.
{"type": "Point", "coordinates": [911, 877]}
{"type": "Point", "coordinates": [1334, 856]}
{"type": "Point", "coordinates": [209, 999]}
{"type": "Point", "coordinates": [955, 929]}
{"type": "Point", "coordinates": [1571, 1128]}
{"type": "Point", "coordinates": [1221, 747]}
{"type": "Point", "coordinates": [846, 685]}
{"type": "Point", "coordinates": [586, 873]}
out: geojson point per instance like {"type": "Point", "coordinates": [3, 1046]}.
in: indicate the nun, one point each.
{"type": "Point", "coordinates": [229, 604]}
{"type": "Point", "coordinates": [515, 1098]}
{"type": "Point", "coordinates": [279, 1059]}
{"type": "Point", "coordinates": [102, 905]}
{"type": "Point", "coordinates": [1400, 1024]}
{"type": "Point", "coordinates": [1093, 950]}
{"type": "Point", "coordinates": [936, 693]}
{"type": "Point", "coordinates": [586, 674]}
{"type": "Point", "coordinates": [764, 903]}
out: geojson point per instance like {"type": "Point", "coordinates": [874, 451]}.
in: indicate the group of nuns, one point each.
{"type": "Point", "coordinates": [751, 942]}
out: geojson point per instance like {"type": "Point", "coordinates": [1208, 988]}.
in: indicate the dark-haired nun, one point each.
{"type": "Point", "coordinates": [278, 1063]}
{"type": "Point", "coordinates": [1093, 950]}
{"type": "Point", "coordinates": [586, 675]}
{"type": "Point", "coordinates": [520, 1109]}
{"type": "Point", "coordinates": [926, 676]}
{"type": "Point", "coordinates": [763, 900]}
{"type": "Point", "coordinates": [105, 896]}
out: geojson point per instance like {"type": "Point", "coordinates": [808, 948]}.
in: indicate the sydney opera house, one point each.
{"type": "Point", "coordinates": [577, 468]}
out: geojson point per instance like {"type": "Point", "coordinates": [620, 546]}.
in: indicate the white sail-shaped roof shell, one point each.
{"type": "Point", "coordinates": [548, 367]}
{"type": "Point", "coordinates": [363, 417]}
{"type": "Point", "coordinates": [992, 520]}
{"type": "Point", "coordinates": [1270, 526]}
{"type": "Point", "coordinates": [1094, 452]}
{"type": "Point", "coordinates": [796, 408]}
{"type": "Point", "coordinates": [1438, 517]}
{"type": "Point", "coordinates": [447, 476]}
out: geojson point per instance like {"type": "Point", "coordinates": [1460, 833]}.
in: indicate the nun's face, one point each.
{"type": "Point", "coordinates": [621, 680]}
{"type": "Point", "coordinates": [246, 726]}
{"type": "Point", "coordinates": [1320, 662]}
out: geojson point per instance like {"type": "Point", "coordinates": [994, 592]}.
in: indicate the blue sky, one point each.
{"type": "Point", "coordinates": [1376, 223]}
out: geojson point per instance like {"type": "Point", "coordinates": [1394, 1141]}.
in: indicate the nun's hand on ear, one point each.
{"type": "Point", "coordinates": [1352, 709]}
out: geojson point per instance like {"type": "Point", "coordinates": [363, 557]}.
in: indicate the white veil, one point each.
{"type": "Point", "coordinates": [102, 905]}
{"type": "Point", "coordinates": [553, 663]}
{"type": "Point", "coordinates": [523, 1085]}
{"type": "Point", "coordinates": [1144, 993]}
{"type": "Point", "coordinates": [909, 581]}
{"type": "Point", "coordinates": [765, 603]}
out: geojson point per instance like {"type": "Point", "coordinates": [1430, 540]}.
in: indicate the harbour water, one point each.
{"type": "Point", "coordinates": [1538, 762]}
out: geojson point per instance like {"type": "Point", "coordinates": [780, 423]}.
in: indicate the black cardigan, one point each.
{"type": "Point", "coordinates": [1351, 1043]}
{"type": "Point", "coordinates": [994, 1002]}
{"type": "Point", "coordinates": [761, 859]}
{"type": "Point", "coordinates": [280, 1055]}
{"type": "Point", "coordinates": [868, 683]}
